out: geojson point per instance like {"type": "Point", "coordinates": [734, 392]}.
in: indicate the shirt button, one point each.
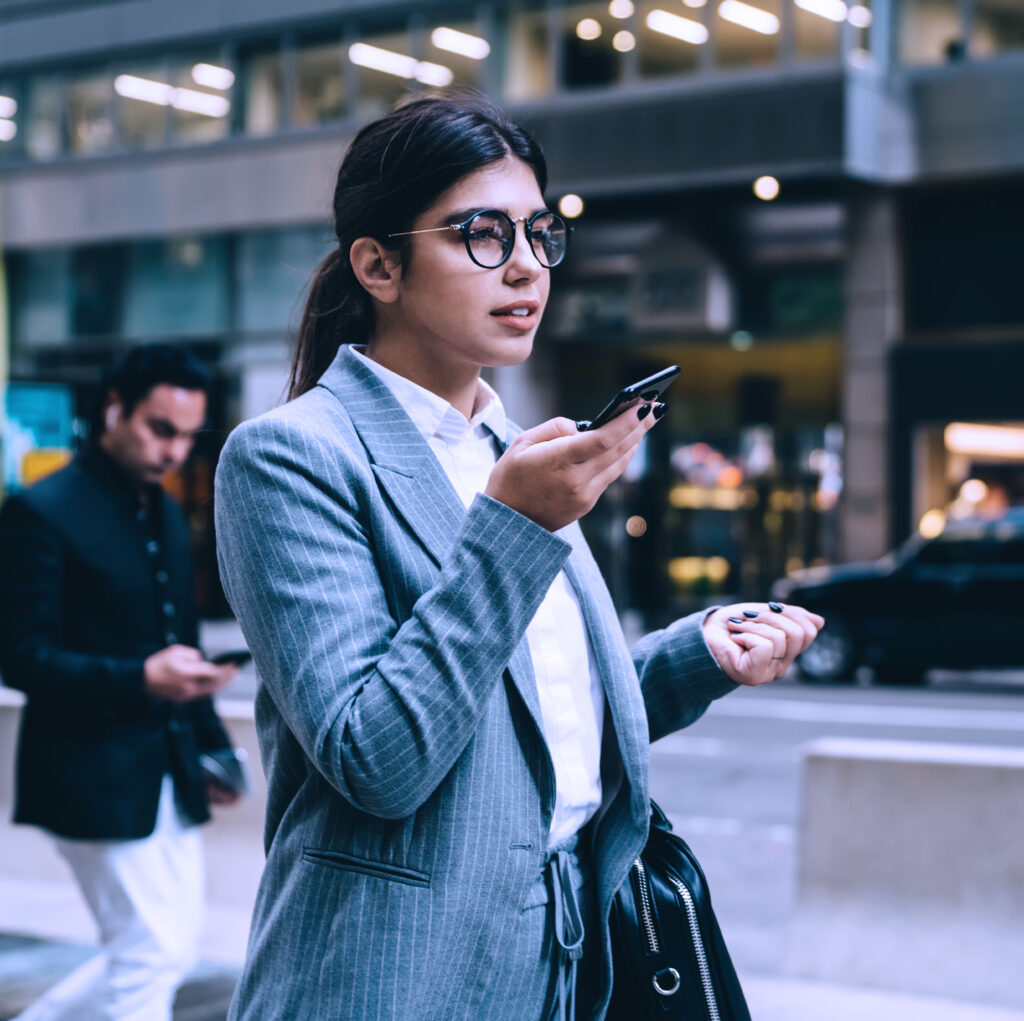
{"type": "Point", "coordinates": [152, 547]}
{"type": "Point", "coordinates": [168, 609]}
{"type": "Point", "coordinates": [170, 638]}
{"type": "Point", "coordinates": [161, 576]}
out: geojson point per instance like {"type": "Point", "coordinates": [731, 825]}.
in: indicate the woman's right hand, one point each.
{"type": "Point", "coordinates": [554, 474]}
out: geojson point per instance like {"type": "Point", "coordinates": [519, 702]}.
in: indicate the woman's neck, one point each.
{"type": "Point", "coordinates": [459, 385]}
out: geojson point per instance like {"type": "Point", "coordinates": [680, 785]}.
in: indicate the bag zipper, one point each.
{"type": "Point", "coordinates": [643, 895]}
{"type": "Point", "coordinates": [698, 947]}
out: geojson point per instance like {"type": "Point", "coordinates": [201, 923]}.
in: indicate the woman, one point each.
{"type": "Point", "coordinates": [454, 734]}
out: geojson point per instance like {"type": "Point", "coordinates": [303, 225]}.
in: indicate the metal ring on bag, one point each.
{"type": "Point", "coordinates": [672, 976]}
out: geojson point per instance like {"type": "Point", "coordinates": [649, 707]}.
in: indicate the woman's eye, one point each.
{"type": "Point", "coordinates": [486, 234]}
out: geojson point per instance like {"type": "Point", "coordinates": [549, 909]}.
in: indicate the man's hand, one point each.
{"type": "Point", "coordinates": [755, 643]}
{"type": "Point", "coordinates": [554, 474]}
{"type": "Point", "coordinates": [180, 673]}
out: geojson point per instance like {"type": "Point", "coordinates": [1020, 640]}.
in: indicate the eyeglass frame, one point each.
{"type": "Point", "coordinates": [463, 228]}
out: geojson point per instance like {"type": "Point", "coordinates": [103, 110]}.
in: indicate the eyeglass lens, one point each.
{"type": "Point", "coordinates": [490, 236]}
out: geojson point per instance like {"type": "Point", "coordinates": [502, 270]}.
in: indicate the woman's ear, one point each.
{"type": "Point", "coordinates": [376, 268]}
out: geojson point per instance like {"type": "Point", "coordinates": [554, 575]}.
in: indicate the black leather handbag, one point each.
{"type": "Point", "coordinates": [669, 957]}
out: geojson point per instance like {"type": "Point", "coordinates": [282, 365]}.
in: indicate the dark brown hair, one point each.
{"type": "Point", "coordinates": [395, 168]}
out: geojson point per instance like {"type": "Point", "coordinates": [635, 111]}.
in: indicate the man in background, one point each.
{"type": "Point", "coordinates": [98, 629]}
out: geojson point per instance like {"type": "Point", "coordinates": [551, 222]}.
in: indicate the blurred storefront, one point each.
{"type": "Point", "coordinates": [812, 206]}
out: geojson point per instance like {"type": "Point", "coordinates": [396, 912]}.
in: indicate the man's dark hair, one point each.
{"type": "Point", "coordinates": [134, 374]}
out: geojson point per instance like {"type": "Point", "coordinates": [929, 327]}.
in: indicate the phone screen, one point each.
{"type": "Point", "coordinates": [642, 391]}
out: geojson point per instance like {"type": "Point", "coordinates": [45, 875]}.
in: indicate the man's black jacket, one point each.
{"type": "Point", "coordinates": [87, 592]}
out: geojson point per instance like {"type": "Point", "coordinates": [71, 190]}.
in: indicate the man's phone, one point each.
{"type": "Point", "coordinates": [643, 391]}
{"type": "Point", "coordinates": [239, 657]}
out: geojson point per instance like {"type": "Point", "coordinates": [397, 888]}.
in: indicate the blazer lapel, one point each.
{"type": "Point", "coordinates": [404, 464]}
{"type": "Point", "coordinates": [414, 481]}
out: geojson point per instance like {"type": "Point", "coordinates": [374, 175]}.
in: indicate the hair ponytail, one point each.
{"type": "Point", "coordinates": [337, 309]}
{"type": "Point", "coordinates": [395, 168]}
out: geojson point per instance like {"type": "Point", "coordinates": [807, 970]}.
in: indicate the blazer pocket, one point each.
{"type": "Point", "coordinates": [365, 866]}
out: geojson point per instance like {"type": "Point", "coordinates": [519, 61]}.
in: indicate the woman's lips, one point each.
{"type": "Point", "coordinates": [521, 316]}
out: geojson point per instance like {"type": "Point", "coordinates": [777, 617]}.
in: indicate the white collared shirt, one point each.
{"type": "Point", "coordinates": [568, 684]}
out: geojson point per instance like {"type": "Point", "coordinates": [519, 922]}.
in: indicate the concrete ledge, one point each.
{"type": "Point", "coordinates": [39, 898]}
{"type": "Point", "coordinates": [911, 869]}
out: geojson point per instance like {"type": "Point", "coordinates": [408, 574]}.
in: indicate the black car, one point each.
{"type": "Point", "coordinates": [955, 601]}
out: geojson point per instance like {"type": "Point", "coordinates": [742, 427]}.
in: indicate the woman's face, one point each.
{"type": "Point", "coordinates": [455, 313]}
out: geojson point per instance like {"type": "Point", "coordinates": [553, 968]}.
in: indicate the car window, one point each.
{"type": "Point", "coordinates": [949, 551]}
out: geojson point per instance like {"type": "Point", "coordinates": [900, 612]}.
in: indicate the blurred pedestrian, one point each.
{"type": "Point", "coordinates": [98, 629]}
{"type": "Point", "coordinates": [454, 733]}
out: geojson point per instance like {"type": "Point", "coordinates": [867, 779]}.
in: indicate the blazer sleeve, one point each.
{"type": "Point", "coordinates": [382, 707]}
{"type": "Point", "coordinates": [678, 675]}
{"type": "Point", "coordinates": [31, 605]}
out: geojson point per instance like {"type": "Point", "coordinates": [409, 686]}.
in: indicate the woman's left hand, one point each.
{"type": "Point", "coordinates": [755, 643]}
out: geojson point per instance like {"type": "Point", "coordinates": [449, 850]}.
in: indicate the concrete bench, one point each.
{"type": "Point", "coordinates": [39, 897]}
{"type": "Point", "coordinates": [911, 869]}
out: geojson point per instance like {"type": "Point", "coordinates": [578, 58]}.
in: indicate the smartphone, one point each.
{"type": "Point", "coordinates": [642, 392]}
{"type": "Point", "coordinates": [239, 657]}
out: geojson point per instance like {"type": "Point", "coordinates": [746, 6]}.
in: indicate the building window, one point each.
{"type": "Point", "coordinates": [386, 69]}
{"type": "Point", "coordinates": [671, 38]}
{"type": "Point", "coordinates": [90, 96]}
{"type": "Point", "coordinates": [11, 135]}
{"type": "Point", "coordinates": [930, 31]}
{"type": "Point", "coordinates": [747, 34]}
{"type": "Point", "coordinates": [177, 288]}
{"type": "Point", "coordinates": [203, 94]}
{"type": "Point", "coordinates": [262, 90]}
{"type": "Point", "coordinates": [998, 27]}
{"type": "Point", "coordinates": [142, 98]}
{"type": "Point", "coordinates": [319, 83]}
{"type": "Point", "coordinates": [273, 271]}
{"type": "Point", "coordinates": [522, 44]}
{"type": "Point", "coordinates": [593, 42]}
{"type": "Point", "coordinates": [43, 130]}
{"type": "Point", "coordinates": [818, 28]}
{"type": "Point", "coordinates": [455, 41]}
{"type": "Point", "coordinates": [39, 288]}
{"type": "Point", "coordinates": [97, 290]}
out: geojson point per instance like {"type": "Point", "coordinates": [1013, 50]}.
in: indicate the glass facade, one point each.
{"type": "Point", "coordinates": [90, 112]}
{"type": "Point", "coordinates": [524, 51]}
{"type": "Point", "coordinates": [457, 41]}
{"type": "Point", "coordinates": [319, 83]}
{"type": "Point", "coordinates": [930, 31]}
{"type": "Point", "coordinates": [262, 73]}
{"type": "Point", "coordinates": [998, 27]}
{"type": "Point", "coordinates": [520, 51]}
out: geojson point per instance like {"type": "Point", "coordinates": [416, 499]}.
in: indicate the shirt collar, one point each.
{"type": "Point", "coordinates": [433, 415]}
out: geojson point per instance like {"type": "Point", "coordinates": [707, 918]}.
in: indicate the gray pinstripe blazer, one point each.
{"type": "Point", "coordinates": [409, 787]}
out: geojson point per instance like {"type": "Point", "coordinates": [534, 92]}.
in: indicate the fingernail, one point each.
{"type": "Point", "coordinates": [736, 620]}
{"type": "Point", "coordinates": [659, 410]}
{"type": "Point", "coordinates": [583, 424]}
{"type": "Point", "coordinates": [643, 412]}
{"type": "Point", "coordinates": [775, 607]}
{"type": "Point", "coordinates": [750, 613]}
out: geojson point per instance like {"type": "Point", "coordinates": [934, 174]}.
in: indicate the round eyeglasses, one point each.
{"type": "Point", "coordinates": [490, 236]}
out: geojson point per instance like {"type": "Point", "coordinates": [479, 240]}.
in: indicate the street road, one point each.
{"type": "Point", "coordinates": [730, 783]}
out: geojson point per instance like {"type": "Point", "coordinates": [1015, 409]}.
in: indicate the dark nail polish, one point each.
{"type": "Point", "coordinates": [736, 620]}
{"type": "Point", "coordinates": [775, 607]}
{"type": "Point", "coordinates": [583, 424]}
{"type": "Point", "coordinates": [643, 412]}
{"type": "Point", "coordinates": [750, 613]}
{"type": "Point", "coordinates": [659, 410]}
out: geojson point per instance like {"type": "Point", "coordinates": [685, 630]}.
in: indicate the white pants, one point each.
{"type": "Point", "coordinates": [147, 899]}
